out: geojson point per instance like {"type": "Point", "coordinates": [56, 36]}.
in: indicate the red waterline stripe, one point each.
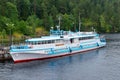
{"type": "Point", "coordinates": [27, 60]}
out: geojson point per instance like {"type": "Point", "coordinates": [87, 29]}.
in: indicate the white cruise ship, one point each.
{"type": "Point", "coordinates": [59, 43]}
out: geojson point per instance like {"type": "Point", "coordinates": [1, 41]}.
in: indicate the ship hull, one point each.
{"type": "Point", "coordinates": [25, 57]}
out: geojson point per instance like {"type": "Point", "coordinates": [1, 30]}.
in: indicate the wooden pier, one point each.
{"type": "Point", "coordinates": [4, 54]}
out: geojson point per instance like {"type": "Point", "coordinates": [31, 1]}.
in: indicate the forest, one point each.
{"type": "Point", "coordinates": [20, 18]}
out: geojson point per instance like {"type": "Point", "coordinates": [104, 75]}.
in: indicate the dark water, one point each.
{"type": "Point", "coordinates": [101, 64]}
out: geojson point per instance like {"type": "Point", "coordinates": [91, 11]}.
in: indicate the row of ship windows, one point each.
{"type": "Point", "coordinates": [57, 41]}
{"type": "Point", "coordinates": [45, 42]}
{"type": "Point", "coordinates": [85, 38]}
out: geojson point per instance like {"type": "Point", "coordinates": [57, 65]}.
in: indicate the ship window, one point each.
{"type": "Point", "coordinates": [61, 40]}
{"type": "Point", "coordinates": [52, 41]}
{"type": "Point", "coordinates": [39, 42]}
{"type": "Point", "coordinates": [42, 42]}
{"type": "Point", "coordinates": [45, 42]}
{"type": "Point", "coordinates": [58, 41]}
{"type": "Point", "coordinates": [80, 38]}
{"type": "Point", "coordinates": [85, 38]}
{"type": "Point", "coordinates": [28, 42]}
{"type": "Point", "coordinates": [55, 41]}
{"type": "Point", "coordinates": [34, 43]}
{"type": "Point", "coordinates": [49, 42]}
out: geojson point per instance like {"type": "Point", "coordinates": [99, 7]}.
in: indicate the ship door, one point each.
{"type": "Point", "coordinates": [71, 40]}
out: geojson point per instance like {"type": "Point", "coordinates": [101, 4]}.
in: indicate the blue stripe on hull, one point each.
{"type": "Point", "coordinates": [59, 51]}
{"type": "Point", "coordinates": [90, 46]}
{"type": "Point", "coordinates": [73, 49]}
{"type": "Point", "coordinates": [67, 50]}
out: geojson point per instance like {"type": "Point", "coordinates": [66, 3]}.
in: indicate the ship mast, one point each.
{"type": "Point", "coordinates": [58, 27]}
{"type": "Point", "coordinates": [79, 22]}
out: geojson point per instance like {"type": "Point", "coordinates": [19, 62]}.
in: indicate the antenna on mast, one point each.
{"type": "Point", "coordinates": [58, 27]}
{"type": "Point", "coordinates": [34, 6]}
{"type": "Point", "coordinates": [79, 22]}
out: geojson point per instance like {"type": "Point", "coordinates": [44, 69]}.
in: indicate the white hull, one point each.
{"type": "Point", "coordinates": [23, 57]}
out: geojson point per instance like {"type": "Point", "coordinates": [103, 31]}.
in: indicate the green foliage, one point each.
{"type": "Point", "coordinates": [17, 35]}
{"type": "Point", "coordinates": [11, 11]}
{"type": "Point", "coordinates": [3, 34]}
{"type": "Point", "coordinates": [24, 16]}
{"type": "Point", "coordinates": [23, 28]}
{"type": "Point", "coordinates": [33, 21]}
{"type": "Point", "coordinates": [40, 31]}
{"type": "Point", "coordinates": [67, 22]}
{"type": "Point", "coordinates": [23, 7]}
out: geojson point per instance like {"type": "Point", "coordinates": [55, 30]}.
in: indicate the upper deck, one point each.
{"type": "Point", "coordinates": [58, 35]}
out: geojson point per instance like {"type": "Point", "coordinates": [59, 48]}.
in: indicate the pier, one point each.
{"type": "Point", "coordinates": [4, 54]}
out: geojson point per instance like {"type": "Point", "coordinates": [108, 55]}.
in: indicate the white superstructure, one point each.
{"type": "Point", "coordinates": [59, 43]}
